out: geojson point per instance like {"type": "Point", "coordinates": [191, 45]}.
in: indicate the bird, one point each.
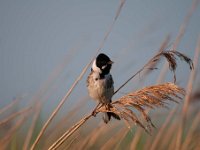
{"type": "Point", "coordinates": [100, 84]}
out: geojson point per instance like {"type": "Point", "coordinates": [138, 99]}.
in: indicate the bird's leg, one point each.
{"type": "Point", "coordinates": [108, 106]}
{"type": "Point", "coordinates": [94, 111]}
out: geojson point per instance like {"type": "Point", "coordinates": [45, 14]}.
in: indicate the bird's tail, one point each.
{"type": "Point", "coordinates": [107, 116]}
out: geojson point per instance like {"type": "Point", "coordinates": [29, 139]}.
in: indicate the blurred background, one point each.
{"type": "Point", "coordinates": [36, 37]}
{"type": "Point", "coordinates": [44, 46]}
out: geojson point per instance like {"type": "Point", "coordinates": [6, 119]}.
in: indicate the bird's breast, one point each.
{"type": "Point", "coordinates": [100, 89]}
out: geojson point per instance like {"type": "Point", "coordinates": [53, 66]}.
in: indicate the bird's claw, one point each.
{"type": "Point", "coordinates": [94, 113]}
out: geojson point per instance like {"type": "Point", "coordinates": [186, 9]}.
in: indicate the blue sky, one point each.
{"type": "Point", "coordinates": [37, 36]}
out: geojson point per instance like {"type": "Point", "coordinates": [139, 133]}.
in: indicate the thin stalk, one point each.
{"type": "Point", "coordinates": [188, 95]}
{"type": "Point", "coordinates": [162, 129]}
{"type": "Point", "coordinates": [180, 35]}
{"type": "Point", "coordinates": [13, 103]}
{"type": "Point", "coordinates": [78, 79]}
{"type": "Point", "coordinates": [37, 111]}
{"type": "Point", "coordinates": [14, 115]}
{"type": "Point", "coordinates": [69, 133]}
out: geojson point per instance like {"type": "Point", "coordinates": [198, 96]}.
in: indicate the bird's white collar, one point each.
{"type": "Point", "coordinates": [95, 68]}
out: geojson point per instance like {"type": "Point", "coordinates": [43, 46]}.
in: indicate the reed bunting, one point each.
{"type": "Point", "coordinates": [100, 84]}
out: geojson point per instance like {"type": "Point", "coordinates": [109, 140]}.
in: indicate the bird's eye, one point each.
{"type": "Point", "coordinates": [103, 67]}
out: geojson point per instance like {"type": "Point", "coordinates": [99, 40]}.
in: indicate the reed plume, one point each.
{"type": "Point", "coordinates": [149, 97]}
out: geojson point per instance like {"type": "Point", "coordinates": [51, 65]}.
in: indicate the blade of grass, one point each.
{"type": "Point", "coordinates": [14, 115]}
{"type": "Point", "coordinates": [53, 134]}
{"type": "Point", "coordinates": [39, 99]}
{"type": "Point", "coordinates": [162, 130]}
{"type": "Point", "coordinates": [121, 138]}
{"type": "Point", "coordinates": [78, 79]}
{"type": "Point", "coordinates": [7, 138]}
{"type": "Point", "coordinates": [69, 132]}
{"type": "Point", "coordinates": [115, 138]}
{"type": "Point", "coordinates": [14, 102]}
{"type": "Point", "coordinates": [36, 111]}
{"type": "Point", "coordinates": [193, 127]}
{"type": "Point", "coordinates": [89, 140]}
{"type": "Point", "coordinates": [188, 94]}
{"type": "Point", "coordinates": [180, 35]}
{"type": "Point", "coordinates": [136, 139]}
{"type": "Point", "coordinates": [169, 137]}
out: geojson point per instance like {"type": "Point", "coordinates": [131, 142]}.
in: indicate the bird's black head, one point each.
{"type": "Point", "coordinates": [104, 63]}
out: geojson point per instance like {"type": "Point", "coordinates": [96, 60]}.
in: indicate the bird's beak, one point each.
{"type": "Point", "coordinates": [110, 62]}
